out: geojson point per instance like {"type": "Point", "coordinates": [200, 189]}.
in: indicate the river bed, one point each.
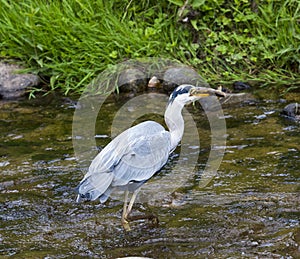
{"type": "Point", "coordinates": [250, 209]}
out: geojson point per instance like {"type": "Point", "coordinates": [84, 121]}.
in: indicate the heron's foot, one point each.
{"type": "Point", "coordinates": [125, 225]}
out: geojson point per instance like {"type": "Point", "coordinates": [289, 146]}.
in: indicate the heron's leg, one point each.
{"type": "Point", "coordinates": [131, 202]}
{"type": "Point", "coordinates": [125, 206]}
{"type": "Point", "coordinates": [124, 214]}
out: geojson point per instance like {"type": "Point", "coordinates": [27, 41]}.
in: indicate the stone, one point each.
{"type": "Point", "coordinates": [132, 80]}
{"type": "Point", "coordinates": [292, 111]}
{"type": "Point", "coordinates": [154, 83]}
{"type": "Point", "coordinates": [176, 76]}
{"type": "Point", "coordinates": [13, 84]}
{"type": "Point", "coordinates": [240, 86]}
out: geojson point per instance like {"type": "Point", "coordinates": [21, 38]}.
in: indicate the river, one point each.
{"type": "Point", "coordinates": [249, 209]}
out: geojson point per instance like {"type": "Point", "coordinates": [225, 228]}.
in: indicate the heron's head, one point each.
{"type": "Point", "coordinates": [189, 93]}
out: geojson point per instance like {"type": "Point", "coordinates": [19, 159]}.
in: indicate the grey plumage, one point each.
{"type": "Point", "coordinates": [133, 157]}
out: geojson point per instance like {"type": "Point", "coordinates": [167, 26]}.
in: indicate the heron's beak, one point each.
{"type": "Point", "coordinates": [201, 92]}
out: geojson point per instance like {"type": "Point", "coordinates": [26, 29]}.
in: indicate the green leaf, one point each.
{"type": "Point", "coordinates": [222, 49]}
{"type": "Point", "coordinates": [176, 2]}
{"type": "Point", "coordinates": [197, 3]}
{"type": "Point", "coordinates": [114, 54]}
{"type": "Point", "coordinates": [194, 24]}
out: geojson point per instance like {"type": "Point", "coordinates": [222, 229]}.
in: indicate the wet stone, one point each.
{"type": "Point", "coordinates": [240, 86]}
{"type": "Point", "coordinates": [292, 111]}
{"type": "Point", "coordinates": [154, 83]}
{"type": "Point", "coordinates": [176, 76]}
{"type": "Point", "coordinates": [13, 84]}
{"type": "Point", "coordinates": [132, 80]}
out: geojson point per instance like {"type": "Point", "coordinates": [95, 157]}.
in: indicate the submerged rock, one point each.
{"type": "Point", "coordinates": [13, 84]}
{"type": "Point", "coordinates": [292, 111]}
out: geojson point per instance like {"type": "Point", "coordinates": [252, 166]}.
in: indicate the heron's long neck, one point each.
{"type": "Point", "coordinates": [175, 122]}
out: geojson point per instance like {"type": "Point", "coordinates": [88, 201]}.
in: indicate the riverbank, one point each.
{"type": "Point", "coordinates": [69, 44]}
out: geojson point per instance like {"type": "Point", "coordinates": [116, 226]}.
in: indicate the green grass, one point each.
{"type": "Point", "coordinates": [70, 42]}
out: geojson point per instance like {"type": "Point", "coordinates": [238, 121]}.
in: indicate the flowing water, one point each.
{"type": "Point", "coordinates": [250, 209]}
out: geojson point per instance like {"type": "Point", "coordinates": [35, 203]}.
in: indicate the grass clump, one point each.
{"type": "Point", "coordinates": [69, 42]}
{"type": "Point", "coordinates": [254, 40]}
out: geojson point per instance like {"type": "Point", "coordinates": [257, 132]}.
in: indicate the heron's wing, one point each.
{"type": "Point", "coordinates": [143, 158]}
{"type": "Point", "coordinates": [134, 155]}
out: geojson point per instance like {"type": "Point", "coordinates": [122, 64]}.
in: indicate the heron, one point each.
{"type": "Point", "coordinates": [139, 152]}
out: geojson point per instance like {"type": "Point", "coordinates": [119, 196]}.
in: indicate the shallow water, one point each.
{"type": "Point", "coordinates": [249, 209]}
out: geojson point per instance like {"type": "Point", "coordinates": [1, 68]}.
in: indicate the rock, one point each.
{"type": "Point", "coordinates": [292, 111]}
{"type": "Point", "coordinates": [14, 85]}
{"type": "Point", "coordinates": [240, 86]}
{"type": "Point", "coordinates": [132, 80]}
{"type": "Point", "coordinates": [154, 83]}
{"type": "Point", "coordinates": [176, 76]}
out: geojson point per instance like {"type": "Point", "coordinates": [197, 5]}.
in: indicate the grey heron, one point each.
{"type": "Point", "coordinates": [135, 155]}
